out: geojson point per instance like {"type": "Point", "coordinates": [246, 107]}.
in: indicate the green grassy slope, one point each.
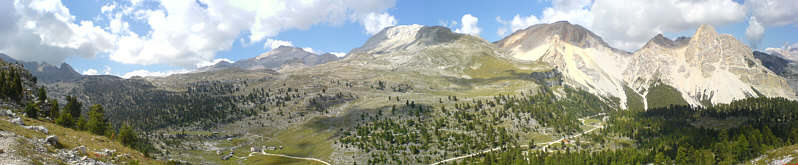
{"type": "Point", "coordinates": [662, 95]}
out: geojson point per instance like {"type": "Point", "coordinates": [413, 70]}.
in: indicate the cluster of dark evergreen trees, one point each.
{"type": "Point", "coordinates": [411, 133]}
{"type": "Point", "coordinates": [679, 135]}
{"type": "Point", "coordinates": [11, 82]}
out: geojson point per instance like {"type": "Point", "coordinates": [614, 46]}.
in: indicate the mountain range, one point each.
{"type": "Point", "coordinates": [387, 96]}
{"type": "Point", "coordinates": [707, 68]}
{"type": "Point", "coordinates": [46, 72]}
{"type": "Point", "coordinates": [276, 59]}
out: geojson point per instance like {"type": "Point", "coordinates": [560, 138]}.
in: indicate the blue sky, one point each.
{"type": "Point", "coordinates": [151, 37]}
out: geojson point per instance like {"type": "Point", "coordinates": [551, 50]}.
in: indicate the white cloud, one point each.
{"type": "Point", "coordinates": [629, 24]}
{"type": "Point", "coordinates": [44, 30]}
{"type": "Point", "coordinates": [574, 11]}
{"type": "Point", "coordinates": [308, 49]}
{"type": "Point", "coordinates": [774, 12]}
{"type": "Point", "coordinates": [176, 33]}
{"type": "Point", "coordinates": [90, 72]}
{"type": "Point", "coordinates": [107, 8]}
{"type": "Point", "coordinates": [338, 54]}
{"type": "Point", "coordinates": [274, 44]}
{"type": "Point", "coordinates": [787, 51]}
{"type": "Point", "coordinates": [517, 23]}
{"type": "Point", "coordinates": [107, 69]}
{"type": "Point", "coordinates": [374, 23]}
{"type": "Point", "coordinates": [146, 73]}
{"type": "Point", "coordinates": [272, 17]}
{"type": "Point", "coordinates": [754, 32]}
{"type": "Point", "coordinates": [469, 25]}
{"type": "Point", "coordinates": [213, 62]}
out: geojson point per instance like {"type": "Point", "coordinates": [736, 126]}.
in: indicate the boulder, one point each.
{"type": "Point", "coordinates": [17, 121]}
{"type": "Point", "coordinates": [81, 150]}
{"type": "Point", "coordinates": [52, 140]}
{"type": "Point", "coordinates": [8, 113]}
{"type": "Point", "coordinates": [37, 128]}
{"type": "Point", "coordinates": [228, 156]}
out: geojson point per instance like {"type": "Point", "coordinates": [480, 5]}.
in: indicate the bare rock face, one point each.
{"type": "Point", "coordinates": [710, 67]}
{"type": "Point", "coordinates": [781, 65]}
{"type": "Point", "coordinates": [583, 58]}
{"type": "Point", "coordinates": [705, 67]}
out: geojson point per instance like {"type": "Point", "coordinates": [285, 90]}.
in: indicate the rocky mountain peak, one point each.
{"type": "Point", "coordinates": [407, 37]}
{"type": "Point", "coordinates": [536, 35]}
{"type": "Point", "coordinates": [662, 41]}
{"type": "Point", "coordinates": [284, 50]}
{"type": "Point", "coordinates": [705, 31]}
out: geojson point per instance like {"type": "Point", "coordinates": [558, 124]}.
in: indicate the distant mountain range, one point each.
{"type": "Point", "coordinates": [45, 72]}
{"type": "Point", "coordinates": [278, 58]}
{"type": "Point", "coordinates": [707, 68]}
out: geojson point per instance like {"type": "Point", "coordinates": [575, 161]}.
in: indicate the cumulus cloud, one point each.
{"type": "Point", "coordinates": [787, 51]}
{"type": "Point", "coordinates": [274, 44]}
{"type": "Point", "coordinates": [612, 19]}
{"type": "Point", "coordinates": [517, 23]}
{"type": "Point", "coordinates": [193, 31]}
{"type": "Point", "coordinates": [574, 11]}
{"type": "Point", "coordinates": [177, 33]}
{"type": "Point", "coordinates": [754, 32]}
{"type": "Point", "coordinates": [147, 73]}
{"type": "Point", "coordinates": [44, 30]}
{"type": "Point", "coordinates": [272, 17]}
{"type": "Point", "coordinates": [90, 72]}
{"type": "Point", "coordinates": [629, 24]}
{"type": "Point", "coordinates": [469, 25]}
{"type": "Point", "coordinates": [374, 23]}
{"type": "Point", "coordinates": [774, 12]}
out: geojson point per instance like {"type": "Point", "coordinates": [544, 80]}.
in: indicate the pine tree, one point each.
{"type": "Point", "coordinates": [42, 95]}
{"type": "Point", "coordinates": [53, 109]}
{"type": "Point", "coordinates": [97, 123]}
{"type": "Point", "coordinates": [65, 119]}
{"type": "Point", "coordinates": [17, 88]}
{"type": "Point", "coordinates": [127, 136]}
{"type": "Point", "coordinates": [81, 125]}
{"type": "Point", "coordinates": [31, 111]}
{"type": "Point", "coordinates": [3, 85]}
{"type": "Point", "coordinates": [73, 107]}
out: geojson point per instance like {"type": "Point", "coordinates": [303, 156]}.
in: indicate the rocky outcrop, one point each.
{"type": "Point", "coordinates": [705, 67]}
{"type": "Point", "coordinates": [710, 67]}
{"type": "Point", "coordinates": [548, 78]}
{"type": "Point", "coordinates": [783, 67]}
{"type": "Point", "coordinates": [583, 58]}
